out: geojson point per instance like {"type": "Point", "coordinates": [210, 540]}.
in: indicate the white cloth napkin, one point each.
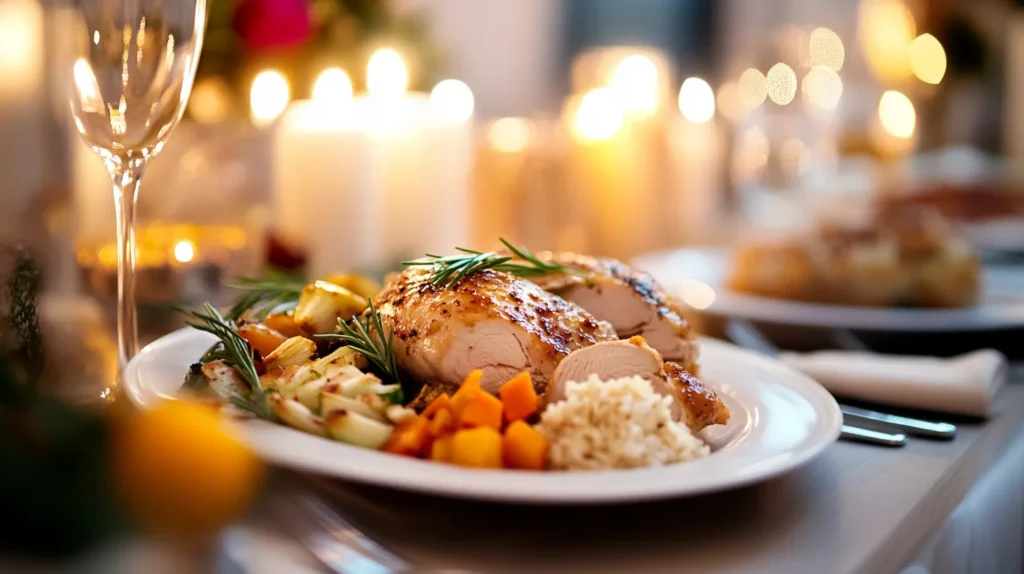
{"type": "Point", "coordinates": [964, 385]}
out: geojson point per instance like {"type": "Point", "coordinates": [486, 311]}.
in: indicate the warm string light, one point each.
{"type": "Point", "coordinates": [268, 97]}
{"type": "Point", "coordinates": [753, 89]}
{"type": "Point", "coordinates": [781, 84]}
{"type": "Point", "coordinates": [825, 48]}
{"type": "Point", "coordinates": [822, 87]}
{"type": "Point", "coordinates": [886, 29]}
{"type": "Point", "coordinates": [184, 251]}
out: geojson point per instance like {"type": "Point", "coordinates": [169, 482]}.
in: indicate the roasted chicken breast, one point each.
{"type": "Point", "coordinates": [628, 299]}
{"type": "Point", "coordinates": [489, 320]}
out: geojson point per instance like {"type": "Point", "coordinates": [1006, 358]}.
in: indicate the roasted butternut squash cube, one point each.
{"type": "Point", "coordinates": [524, 447]}
{"type": "Point", "coordinates": [518, 397]}
{"type": "Point", "coordinates": [442, 423]}
{"type": "Point", "coordinates": [483, 410]}
{"type": "Point", "coordinates": [409, 438]}
{"type": "Point", "coordinates": [439, 403]}
{"type": "Point", "coordinates": [476, 448]}
{"type": "Point", "coordinates": [441, 449]}
{"type": "Point", "coordinates": [469, 389]}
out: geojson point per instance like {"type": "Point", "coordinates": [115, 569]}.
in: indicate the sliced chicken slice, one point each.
{"type": "Point", "coordinates": [693, 403]}
{"type": "Point", "coordinates": [628, 299]}
{"type": "Point", "coordinates": [490, 321]}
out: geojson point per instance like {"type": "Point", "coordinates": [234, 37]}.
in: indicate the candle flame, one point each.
{"type": "Point", "coordinates": [696, 100]}
{"type": "Point", "coordinates": [452, 101]}
{"type": "Point", "coordinates": [386, 75]}
{"type": "Point", "coordinates": [635, 82]}
{"type": "Point", "coordinates": [510, 135]}
{"type": "Point", "coordinates": [268, 97]}
{"type": "Point", "coordinates": [599, 116]}
{"type": "Point", "coordinates": [332, 86]}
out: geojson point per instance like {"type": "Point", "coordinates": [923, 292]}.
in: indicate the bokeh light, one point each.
{"type": "Point", "coordinates": [184, 251]}
{"type": "Point", "coordinates": [753, 88]}
{"type": "Point", "coordinates": [822, 87]}
{"type": "Point", "coordinates": [927, 59]}
{"type": "Point", "coordinates": [781, 84]}
{"type": "Point", "coordinates": [510, 135]}
{"type": "Point", "coordinates": [386, 75]}
{"type": "Point", "coordinates": [269, 96]}
{"type": "Point", "coordinates": [599, 115]}
{"type": "Point", "coordinates": [897, 114]}
{"type": "Point", "coordinates": [696, 294]}
{"type": "Point", "coordinates": [635, 82]}
{"type": "Point", "coordinates": [696, 100]}
{"type": "Point", "coordinates": [211, 101]}
{"type": "Point", "coordinates": [452, 101]}
{"type": "Point", "coordinates": [886, 29]}
{"type": "Point", "coordinates": [332, 87]}
{"type": "Point", "coordinates": [825, 48]}
{"type": "Point", "coordinates": [752, 149]}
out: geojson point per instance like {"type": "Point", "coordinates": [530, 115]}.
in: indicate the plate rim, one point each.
{"type": "Point", "coordinates": [572, 488]}
{"type": "Point", "coordinates": [824, 315]}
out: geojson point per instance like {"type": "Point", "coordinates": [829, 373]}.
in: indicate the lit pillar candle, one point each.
{"type": "Point", "coordinates": [326, 180]}
{"type": "Point", "coordinates": [22, 101]}
{"type": "Point", "coordinates": [697, 171]}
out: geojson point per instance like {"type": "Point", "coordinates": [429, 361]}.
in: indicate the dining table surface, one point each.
{"type": "Point", "coordinates": [855, 508]}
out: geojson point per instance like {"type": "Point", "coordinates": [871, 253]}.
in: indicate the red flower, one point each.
{"type": "Point", "coordinates": [272, 25]}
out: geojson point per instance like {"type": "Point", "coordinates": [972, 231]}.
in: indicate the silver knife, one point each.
{"type": "Point", "coordinates": [874, 437]}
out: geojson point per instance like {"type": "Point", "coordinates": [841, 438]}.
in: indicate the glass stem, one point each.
{"type": "Point", "coordinates": [127, 174]}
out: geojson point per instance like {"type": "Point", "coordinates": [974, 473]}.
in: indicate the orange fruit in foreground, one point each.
{"type": "Point", "coordinates": [180, 471]}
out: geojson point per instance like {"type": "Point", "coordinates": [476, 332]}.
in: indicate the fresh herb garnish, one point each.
{"type": "Point", "coordinates": [366, 335]}
{"type": "Point", "coordinates": [263, 294]}
{"type": "Point", "coordinates": [234, 351]}
{"type": "Point", "coordinates": [451, 269]}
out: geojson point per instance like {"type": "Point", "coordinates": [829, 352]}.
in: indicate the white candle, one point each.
{"type": "Point", "coordinates": [696, 146]}
{"type": "Point", "coordinates": [22, 103]}
{"type": "Point", "coordinates": [386, 173]}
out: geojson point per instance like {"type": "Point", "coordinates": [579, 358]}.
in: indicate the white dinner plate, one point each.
{"type": "Point", "coordinates": [780, 420]}
{"type": "Point", "coordinates": [698, 277]}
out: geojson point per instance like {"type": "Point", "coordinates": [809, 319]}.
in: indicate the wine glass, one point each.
{"type": "Point", "coordinates": [134, 64]}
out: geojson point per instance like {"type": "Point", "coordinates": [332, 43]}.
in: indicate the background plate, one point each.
{"type": "Point", "coordinates": [689, 272]}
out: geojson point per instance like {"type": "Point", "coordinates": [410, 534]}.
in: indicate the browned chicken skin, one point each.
{"type": "Point", "coordinates": [490, 321]}
{"type": "Point", "coordinates": [628, 299]}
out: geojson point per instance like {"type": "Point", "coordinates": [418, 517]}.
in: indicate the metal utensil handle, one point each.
{"type": "Point", "coordinates": [858, 434]}
{"type": "Point", "coordinates": [913, 427]}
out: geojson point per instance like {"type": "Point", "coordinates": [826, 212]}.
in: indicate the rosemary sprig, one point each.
{"type": "Point", "coordinates": [451, 269]}
{"type": "Point", "coordinates": [366, 335]}
{"type": "Point", "coordinates": [262, 294]}
{"type": "Point", "coordinates": [234, 351]}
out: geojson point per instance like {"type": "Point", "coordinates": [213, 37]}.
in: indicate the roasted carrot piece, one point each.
{"type": "Point", "coordinates": [518, 397]}
{"type": "Point", "coordinates": [439, 403]}
{"type": "Point", "coordinates": [483, 410]}
{"type": "Point", "coordinates": [476, 448]}
{"type": "Point", "coordinates": [524, 447]}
